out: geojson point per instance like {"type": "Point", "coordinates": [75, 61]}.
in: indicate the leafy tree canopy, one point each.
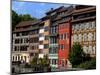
{"type": "Point", "coordinates": [18, 18]}
{"type": "Point", "coordinates": [76, 55]}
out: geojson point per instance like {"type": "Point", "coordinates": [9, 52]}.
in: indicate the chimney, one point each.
{"type": "Point", "coordinates": [51, 9]}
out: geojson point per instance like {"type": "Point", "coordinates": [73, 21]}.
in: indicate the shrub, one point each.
{"type": "Point", "coordinates": [88, 64]}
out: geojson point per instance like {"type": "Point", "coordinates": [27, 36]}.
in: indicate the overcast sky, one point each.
{"type": "Point", "coordinates": [37, 10]}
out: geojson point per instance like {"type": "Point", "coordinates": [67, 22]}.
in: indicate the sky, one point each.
{"type": "Point", "coordinates": [35, 9]}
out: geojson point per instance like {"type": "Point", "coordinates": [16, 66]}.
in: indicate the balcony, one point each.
{"type": "Point", "coordinates": [85, 16]}
{"type": "Point", "coordinates": [53, 44]}
{"type": "Point", "coordinates": [54, 34]}
{"type": "Point", "coordinates": [41, 38]}
{"type": "Point", "coordinates": [33, 51]}
{"type": "Point", "coordinates": [41, 31]}
{"type": "Point", "coordinates": [41, 46]}
{"type": "Point", "coordinates": [34, 27]}
{"type": "Point", "coordinates": [53, 56]}
{"type": "Point", "coordinates": [20, 51]}
{"type": "Point", "coordinates": [53, 50]}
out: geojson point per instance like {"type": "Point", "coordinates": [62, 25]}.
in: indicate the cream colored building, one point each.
{"type": "Point", "coordinates": [84, 29]}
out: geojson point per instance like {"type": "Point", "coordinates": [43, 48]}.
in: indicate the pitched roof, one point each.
{"type": "Point", "coordinates": [24, 23]}
{"type": "Point", "coordinates": [53, 10]}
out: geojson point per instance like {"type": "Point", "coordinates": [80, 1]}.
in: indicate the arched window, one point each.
{"type": "Point", "coordinates": [90, 37]}
{"type": "Point", "coordinates": [85, 37]}
{"type": "Point", "coordinates": [75, 38]}
{"type": "Point", "coordinates": [13, 58]}
{"type": "Point", "coordinates": [80, 37]}
{"type": "Point", "coordinates": [94, 50]}
{"type": "Point", "coordinates": [90, 49]}
{"type": "Point", "coordinates": [16, 58]}
{"type": "Point", "coordinates": [85, 49]}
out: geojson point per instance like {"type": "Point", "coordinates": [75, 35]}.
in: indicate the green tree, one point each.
{"type": "Point", "coordinates": [26, 17]}
{"type": "Point", "coordinates": [18, 18]}
{"type": "Point", "coordinates": [34, 61]}
{"type": "Point", "coordinates": [15, 19]}
{"type": "Point", "coordinates": [76, 55]}
{"type": "Point", "coordinates": [40, 61]}
{"type": "Point", "coordinates": [43, 61]}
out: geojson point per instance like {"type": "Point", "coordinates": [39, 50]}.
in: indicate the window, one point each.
{"type": "Point", "coordinates": [25, 58]}
{"type": "Point", "coordinates": [94, 35]}
{"type": "Point", "coordinates": [85, 37]}
{"type": "Point", "coordinates": [51, 40]}
{"type": "Point", "coordinates": [21, 40]}
{"type": "Point", "coordinates": [93, 51]}
{"type": "Point", "coordinates": [32, 47]}
{"type": "Point", "coordinates": [21, 57]}
{"type": "Point", "coordinates": [61, 36]}
{"type": "Point", "coordinates": [16, 48]}
{"type": "Point", "coordinates": [87, 25]}
{"type": "Point", "coordinates": [24, 33]}
{"type": "Point", "coordinates": [50, 61]}
{"type": "Point", "coordinates": [54, 61]}
{"type": "Point", "coordinates": [16, 57]}
{"type": "Point", "coordinates": [90, 49]}
{"type": "Point", "coordinates": [56, 28]}
{"type": "Point", "coordinates": [46, 46]}
{"type": "Point", "coordinates": [93, 24]}
{"type": "Point", "coordinates": [34, 32]}
{"type": "Point", "coordinates": [54, 40]}
{"type": "Point", "coordinates": [90, 25]}
{"type": "Point", "coordinates": [46, 28]}
{"type": "Point", "coordinates": [40, 51]}
{"type": "Point", "coordinates": [90, 37]}
{"type": "Point", "coordinates": [31, 40]}
{"type": "Point", "coordinates": [62, 47]}
{"type": "Point", "coordinates": [80, 37]}
{"type": "Point", "coordinates": [77, 27]}
{"type": "Point", "coordinates": [85, 49]}
{"type": "Point", "coordinates": [82, 25]}
{"type": "Point", "coordinates": [17, 41]}
{"type": "Point", "coordinates": [53, 50]}
{"type": "Point", "coordinates": [13, 58]}
{"type": "Point", "coordinates": [46, 37]}
{"type": "Point", "coordinates": [72, 27]}
{"type": "Point", "coordinates": [40, 35]}
{"type": "Point", "coordinates": [65, 36]}
{"type": "Point", "coordinates": [26, 40]}
{"type": "Point", "coordinates": [51, 30]}
{"type": "Point", "coordinates": [17, 34]}
{"type": "Point", "coordinates": [75, 38]}
{"type": "Point", "coordinates": [31, 54]}
{"type": "Point", "coordinates": [66, 62]}
{"type": "Point", "coordinates": [35, 47]}
{"type": "Point", "coordinates": [35, 39]}
{"type": "Point", "coordinates": [40, 42]}
{"type": "Point", "coordinates": [63, 63]}
{"type": "Point", "coordinates": [23, 48]}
